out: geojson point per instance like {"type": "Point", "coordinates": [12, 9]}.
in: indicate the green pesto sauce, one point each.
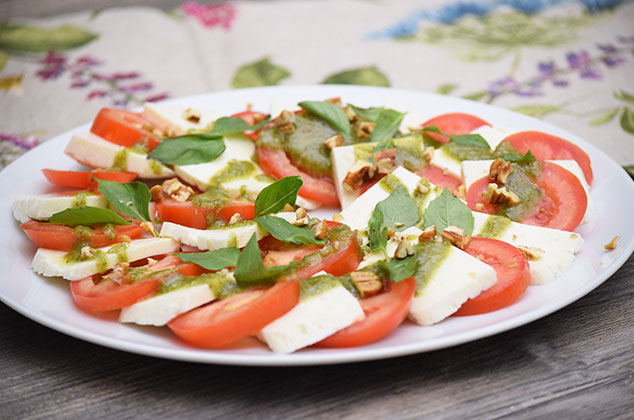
{"type": "Point", "coordinates": [83, 231]}
{"type": "Point", "coordinates": [421, 199]}
{"type": "Point", "coordinates": [109, 230]}
{"type": "Point", "coordinates": [505, 149]}
{"type": "Point", "coordinates": [212, 198]}
{"type": "Point", "coordinates": [155, 166]}
{"type": "Point", "coordinates": [520, 181]}
{"type": "Point", "coordinates": [495, 226]}
{"type": "Point", "coordinates": [429, 256]}
{"type": "Point", "coordinates": [79, 199]}
{"type": "Point", "coordinates": [363, 151]}
{"type": "Point", "coordinates": [222, 285]}
{"type": "Point", "coordinates": [337, 239]}
{"type": "Point", "coordinates": [389, 182]}
{"type": "Point", "coordinates": [241, 223]}
{"type": "Point", "coordinates": [315, 286]}
{"type": "Point", "coordinates": [233, 170]}
{"type": "Point", "coordinates": [139, 148]}
{"type": "Point", "coordinates": [120, 162]}
{"type": "Point", "coordinates": [264, 178]}
{"type": "Point", "coordinates": [460, 152]}
{"type": "Point", "coordinates": [410, 152]}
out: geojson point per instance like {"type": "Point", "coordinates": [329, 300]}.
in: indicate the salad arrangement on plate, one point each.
{"type": "Point", "coordinates": [421, 219]}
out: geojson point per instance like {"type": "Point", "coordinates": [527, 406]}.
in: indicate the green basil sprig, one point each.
{"type": "Point", "coordinates": [273, 197]}
{"type": "Point", "coordinates": [400, 269]}
{"type": "Point", "coordinates": [130, 198]}
{"type": "Point", "coordinates": [287, 232]}
{"type": "Point", "coordinates": [526, 158]}
{"type": "Point", "coordinates": [398, 207]}
{"type": "Point", "coordinates": [189, 149]}
{"type": "Point", "coordinates": [87, 216]}
{"type": "Point", "coordinates": [250, 270]}
{"type": "Point", "coordinates": [387, 124]}
{"type": "Point", "coordinates": [331, 113]}
{"type": "Point", "coordinates": [446, 210]}
{"type": "Point", "coordinates": [212, 260]}
{"type": "Point", "coordinates": [229, 125]}
{"type": "Point", "coordinates": [370, 114]}
{"type": "Point", "coordinates": [475, 140]}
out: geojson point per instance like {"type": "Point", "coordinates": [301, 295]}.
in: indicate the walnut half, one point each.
{"type": "Point", "coordinates": [500, 195]}
{"type": "Point", "coordinates": [456, 236]}
{"type": "Point", "coordinates": [359, 172]}
{"type": "Point", "coordinates": [500, 170]}
{"type": "Point", "coordinates": [367, 283]}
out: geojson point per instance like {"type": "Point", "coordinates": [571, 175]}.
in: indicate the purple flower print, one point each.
{"type": "Point", "coordinates": [25, 142]}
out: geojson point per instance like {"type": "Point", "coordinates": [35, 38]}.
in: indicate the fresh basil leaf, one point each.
{"type": "Point", "coordinates": [331, 113]}
{"type": "Point", "coordinates": [448, 210]}
{"type": "Point", "coordinates": [398, 207]}
{"type": "Point", "coordinates": [287, 232]}
{"type": "Point", "coordinates": [273, 198]}
{"type": "Point", "coordinates": [386, 125]}
{"type": "Point", "coordinates": [131, 198]}
{"type": "Point", "coordinates": [474, 140]}
{"type": "Point", "coordinates": [87, 216]}
{"type": "Point", "coordinates": [401, 269]}
{"type": "Point", "coordinates": [370, 114]}
{"type": "Point", "coordinates": [527, 157]}
{"type": "Point", "coordinates": [228, 125]}
{"type": "Point", "coordinates": [432, 128]}
{"type": "Point", "coordinates": [212, 260]}
{"type": "Point", "coordinates": [250, 270]}
{"type": "Point", "coordinates": [382, 145]}
{"type": "Point", "coordinates": [189, 149]}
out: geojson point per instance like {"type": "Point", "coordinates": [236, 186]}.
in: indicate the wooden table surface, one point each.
{"type": "Point", "coordinates": [577, 362]}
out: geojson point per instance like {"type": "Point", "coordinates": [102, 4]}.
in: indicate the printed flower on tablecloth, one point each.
{"type": "Point", "coordinates": [211, 15]}
{"type": "Point", "coordinates": [13, 145]}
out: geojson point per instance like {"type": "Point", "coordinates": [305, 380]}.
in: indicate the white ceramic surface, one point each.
{"type": "Point", "coordinates": [48, 301]}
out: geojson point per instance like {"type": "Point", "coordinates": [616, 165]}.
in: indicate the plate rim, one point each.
{"type": "Point", "coordinates": [345, 355]}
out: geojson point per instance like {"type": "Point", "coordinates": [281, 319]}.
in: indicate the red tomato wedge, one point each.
{"type": "Point", "coordinates": [548, 147]}
{"type": "Point", "coordinates": [511, 269]}
{"type": "Point", "coordinates": [440, 178]}
{"type": "Point", "coordinates": [251, 118]}
{"type": "Point", "coordinates": [453, 123]}
{"type": "Point", "coordinates": [124, 128]}
{"type": "Point", "coordinates": [383, 313]}
{"type": "Point", "coordinates": [563, 203]}
{"type": "Point", "coordinates": [62, 238]}
{"type": "Point", "coordinates": [229, 320]}
{"type": "Point", "coordinates": [85, 179]}
{"type": "Point", "coordinates": [276, 163]}
{"type": "Point", "coordinates": [188, 214]}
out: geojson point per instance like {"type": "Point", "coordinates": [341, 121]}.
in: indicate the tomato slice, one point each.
{"type": "Point", "coordinates": [511, 269]}
{"type": "Point", "coordinates": [62, 238]}
{"type": "Point", "coordinates": [229, 320]}
{"type": "Point", "coordinates": [124, 128]}
{"type": "Point", "coordinates": [563, 203]}
{"type": "Point", "coordinates": [276, 163]}
{"type": "Point", "coordinates": [453, 123]}
{"type": "Point", "coordinates": [439, 177]}
{"type": "Point", "coordinates": [383, 313]}
{"type": "Point", "coordinates": [548, 147]}
{"type": "Point", "coordinates": [85, 179]}
{"type": "Point", "coordinates": [187, 214]}
{"type": "Point", "coordinates": [251, 118]}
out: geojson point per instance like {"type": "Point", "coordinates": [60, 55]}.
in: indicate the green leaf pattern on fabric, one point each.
{"type": "Point", "coordinates": [260, 73]}
{"type": "Point", "coordinates": [27, 38]}
{"type": "Point", "coordinates": [368, 76]}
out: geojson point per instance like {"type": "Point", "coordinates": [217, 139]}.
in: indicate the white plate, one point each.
{"type": "Point", "coordinates": [48, 301]}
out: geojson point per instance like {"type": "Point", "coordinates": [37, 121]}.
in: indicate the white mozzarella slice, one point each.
{"type": "Point", "coordinates": [159, 310]}
{"type": "Point", "coordinates": [447, 162]}
{"type": "Point", "coordinates": [459, 277]}
{"type": "Point", "coordinates": [44, 206]}
{"type": "Point", "coordinates": [208, 239]}
{"type": "Point", "coordinates": [473, 170]}
{"type": "Point", "coordinates": [312, 320]}
{"type": "Point", "coordinates": [358, 214]}
{"type": "Point", "coordinates": [174, 117]}
{"type": "Point", "coordinates": [493, 135]}
{"type": "Point", "coordinates": [92, 150]}
{"type": "Point", "coordinates": [53, 263]}
{"type": "Point", "coordinates": [342, 159]}
{"type": "Point", "coordinates": [559, 246]}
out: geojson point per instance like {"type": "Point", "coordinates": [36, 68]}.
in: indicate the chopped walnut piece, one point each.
{"type": "Point", "coordinates": [322, 230]}
{"type": "Point", "coordinates": [428, 153]}
{"type": "Point", "coordinates": [119, 272]}
{"type": "Point", "coordinates": [300, 213]}
{"type": "Point", "coordinates": [500, 195]}
{"type": "Point", "coordinates": [336, 100]}
{"type": "Point", "coordinates": [352, 116]}
{"type": "Point", "coordinates": [148, 227]}
{"type": "Point", "coordinates": [151, 261]}
{"type": "Point", "coordinates": [385, 166]}
{"type": "Point", "coordinates": [334, 141]}
{"type": "Point", "coordinates": [192, 115]}
{"type": "Point", "coordinates": [366, 282]}
{"type": "Point", "coordinates": [236, 218]}
{"type": "Point", "coordinates": [157, 193]}
{"type": "Point", "coordinates": [337, 217]}
{"type": "Point", "coordinates": [288, 207]}
{"type": "Point", "coordinates": [285, 121]}
{"type": "Point", "coordinates": [461, 192]}
{"type": "Point", "coordinates": [500, 171]}
{"type": "Point", "coordinates": [385, 154]}
{"type": "Point", "coordinates": [427, 234]}
{"type": "Point", "coordinates": [390, 232]}
{"type": "Point", "coordinates": [422, 188]}
{"type": "Point", "coordinates": [359, 172]}
{"type": "Point", "coordinates": [86, 252]}
{"type": "Point", "coordinates": [531, 253]}
{"type": "Point", "coordinates": [479, 206]}
{"type": "Point", "coordinates": [612, 244]}
{"type": "Point", "coordinates": [456, 236]}
{"type": "Point", "coordinates": [364, 130]}
{"type": "Point", "coordinates": [404, 247]}
{"type": "Point", "coordinates": [171, 185]}
{"type": "Point", "coordinates": [177, 190]}
{"type": "Point", "coordinates": [124, 239]}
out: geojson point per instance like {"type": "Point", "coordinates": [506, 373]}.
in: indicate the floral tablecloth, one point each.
{"type": "Point", "coordinates": [570, 62]}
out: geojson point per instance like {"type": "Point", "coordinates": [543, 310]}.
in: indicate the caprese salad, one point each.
{"type": "Point", "coordinates": [201, 222]}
